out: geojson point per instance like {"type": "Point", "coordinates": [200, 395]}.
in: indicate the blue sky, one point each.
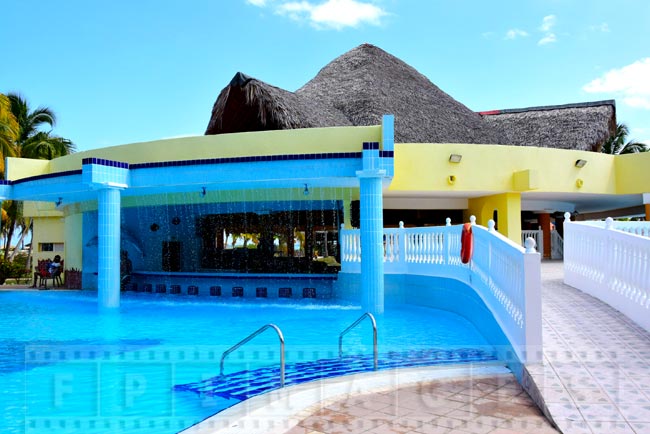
{"type": "Point", "coordinates": [118, 71]}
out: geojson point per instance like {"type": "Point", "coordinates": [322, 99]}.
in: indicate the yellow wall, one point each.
{"type": "Point", "coordinates": [47, 230]}
{"type": "Point", "coordinates": [508, 207]}
{"type": "Point", "coordinates": [491, 169]}
{"type": "Point", "coordinates": [17, 168]}
{"type": "Point", "coordinates": [40, 209]}
{"type": "Point", "coordinates": [633, 173]}
{"type": "Point", "coordinates": [73, 225]}
{"type": "Point", "coordinates": [304, 141]}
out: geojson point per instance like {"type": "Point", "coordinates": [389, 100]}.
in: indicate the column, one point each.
{"type": "Point", "coordinates": [372, 230]}
{"type": "Point", "coordinates": [108, 253]}
{"type": "Point", "coordinates": [545, 223]}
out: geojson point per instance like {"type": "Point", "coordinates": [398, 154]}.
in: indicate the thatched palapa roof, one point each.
{"type": "Point", "coordinates": [583, 126]}
{"type": "Point", "coordinates": [248, 104]}
{"type": "Point", "coordinates": [365, 83]}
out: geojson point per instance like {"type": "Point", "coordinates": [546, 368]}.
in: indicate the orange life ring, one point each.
{"type": "Point", "coordinates": [466, 243]}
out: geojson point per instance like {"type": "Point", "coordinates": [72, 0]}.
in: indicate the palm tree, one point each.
{"type": "Point", "coordinates": [617, 144]}
{"type": "Point", "coordinates": [30, 141]}
{"type": "Point", "coordinates": [8, 131]}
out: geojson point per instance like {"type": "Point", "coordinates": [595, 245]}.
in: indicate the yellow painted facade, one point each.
{"type": "Point", "coordinates": [72, 228]}
{"type": "Point", "coordinates": [493, 169]}
{"type": "Point", "coordinates": [261, 143]}
{"type": "Point", "coordinates": [633, 173]}
{"type": "Point", "coordinates": [504, 208]}
{"type": "Point", "coordinates": [48, 230]}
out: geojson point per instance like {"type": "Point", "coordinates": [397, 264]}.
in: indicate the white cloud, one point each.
{"type": "Point", "coordinates": [326, 14]}
{"type": "Point", "coordinates": [547, 39]}
{"type": "Point", "coordinates": [333, 14]}
{"type": "Point", "coordinates": [548, 22]}
{"type": "Point", "coordinates": [602, 27]}
{"type": "Point", "coordinates": [515, 33]}
{"type": "Point", "coordinates": [637, 102]}
{"type": "Point", "coordinates": [630, 82]}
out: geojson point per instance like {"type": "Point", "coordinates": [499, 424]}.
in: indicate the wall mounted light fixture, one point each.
{"type": "Point", "coordinates": [59, 201]}
{"type": "Point", "coordinates": [455, 158]}
{"type": "Point", "coordinates": [203, 192]}
{"type": "Point", "coordinates": [580, 163]}
{"type": "Point", "coordinates": [306, 190]}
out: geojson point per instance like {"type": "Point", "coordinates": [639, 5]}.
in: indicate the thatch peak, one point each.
{"type": "Point", "coordinates": [240, 79]}
{"type": "Point", "coordinates": [367, 82]}
{"type": "Point", "coordinates": [249, 104]}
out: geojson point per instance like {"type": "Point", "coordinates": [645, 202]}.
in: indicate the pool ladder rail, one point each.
{"type": "Point", "coordinates": [250, 337]}
{"type": "Point", "coordinates": [374, 336]}
{"type": "Point", "coordinates": [281, 337]}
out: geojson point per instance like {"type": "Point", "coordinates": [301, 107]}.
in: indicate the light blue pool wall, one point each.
{"type": "Point", "coordinates": [438, 293]}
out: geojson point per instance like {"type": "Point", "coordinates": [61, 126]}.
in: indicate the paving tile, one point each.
{"type": "Point", "coordinates": [601, 413]}
{"type": "Point", "coordinates": [574, 427]}
{"type": "Point", "coordinates": [640, 427]}
{"type": "Point", "coordinates": [627, 396]}
{"type": "Point", "coordinates": [432, 429]}
{"type": "Point", "coordinates": [611, 427]}
{"type": "Point", "coordinates": [589, 396]}
{"type": "Point", "coordinates": [636, 413]}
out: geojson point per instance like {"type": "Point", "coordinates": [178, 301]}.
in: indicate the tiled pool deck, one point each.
{"type": "Point", "coordinates": [596, 372]}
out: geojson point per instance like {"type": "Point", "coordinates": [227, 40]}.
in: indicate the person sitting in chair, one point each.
{"type": "Point", "coordinates": [51, 269]}
{"type": "Point", "coordinates": [54, 266]}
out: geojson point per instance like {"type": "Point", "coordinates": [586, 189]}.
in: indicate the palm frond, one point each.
{"type": "Point", "coordinates": [618, 144]}
{"type": "Point", "coordinates": [44, 146]}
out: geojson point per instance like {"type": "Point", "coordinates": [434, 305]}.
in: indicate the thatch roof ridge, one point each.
{"type": "Point", "coordinates": [367, 82]}
{"type": "Point", "coordinates": [586, 104]}
{"type": "Point", "coordinates": [583, 126]}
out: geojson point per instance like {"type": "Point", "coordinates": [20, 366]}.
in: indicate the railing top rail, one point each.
{"type": "Point", "coordinates": [481, 230]}
{"type": "Point", "coordinates": [252, 336]}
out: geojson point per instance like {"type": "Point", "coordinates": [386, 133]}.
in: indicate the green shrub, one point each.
{"type": "Point", "coordinates": [13, 269]}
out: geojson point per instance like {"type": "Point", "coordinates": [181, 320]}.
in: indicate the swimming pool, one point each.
{"type": "Point", "coordinates": [67, 368]}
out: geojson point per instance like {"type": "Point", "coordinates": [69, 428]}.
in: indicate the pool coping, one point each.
{"type": "Point", "coordinates": [278, 411]}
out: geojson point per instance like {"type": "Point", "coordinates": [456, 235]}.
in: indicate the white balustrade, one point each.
{"type": "Point", "coordinates": [610, 261]}
{"type": "Point", "coordinates": [537, 235]}
{"type": "Point", "coordinates": [501, 272]}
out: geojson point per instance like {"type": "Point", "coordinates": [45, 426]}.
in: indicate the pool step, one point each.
{"type": "Point", "coordinates": [246, 384]}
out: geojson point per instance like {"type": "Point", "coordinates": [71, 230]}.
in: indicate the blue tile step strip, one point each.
{"type": "Point", "coordinates": [246, 384]}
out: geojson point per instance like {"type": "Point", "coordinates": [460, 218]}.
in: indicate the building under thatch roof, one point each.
{"type": "Point", "coordinates": [365, 83]}
{"type": "Point", "coordinates": [583, 126]}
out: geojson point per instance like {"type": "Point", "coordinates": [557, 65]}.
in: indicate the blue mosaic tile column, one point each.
{"type": "Point", "coordinates": [108, 178]}
{"type": "Point", "coordinates": [372, 230]}
{"type": "Point", "coordinates": [108, 253]}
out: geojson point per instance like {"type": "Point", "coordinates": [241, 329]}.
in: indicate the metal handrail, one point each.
{"type": "Point", "coordinates": [251, 336]}
{"type": "Point", "coordinates": [374, 335]}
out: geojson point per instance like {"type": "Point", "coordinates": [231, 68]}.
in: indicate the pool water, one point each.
{"type": "Point", "coordinates": [67, 367]}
